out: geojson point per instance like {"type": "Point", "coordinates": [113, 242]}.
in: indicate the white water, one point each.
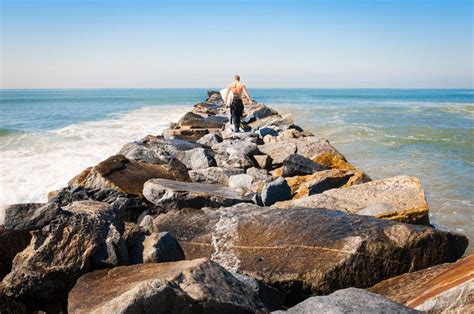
{"type": "Point", "coordinates": [32, 164]}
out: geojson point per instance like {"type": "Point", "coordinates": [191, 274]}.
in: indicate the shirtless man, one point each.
{"type": "Point", "coordinates": [237, 106]}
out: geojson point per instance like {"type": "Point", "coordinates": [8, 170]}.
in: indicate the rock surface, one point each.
{"type": "Point", "coordinates": [30, 216]}
{"type": "Point", "coordinates": [196, 286]}
{"type": "Point", "coordinates": [350, 300]}
{"type": "Point", "coordinates": [399, 198]}
{"type": "Point", "coordinates": [297, 165]}
{"type": "Point", "coordinates": [275, 191]}
{"type": "Point", "coordinates": [119, 173]}
{"type": "Point", "coordinates": [11, 243]}
{"type": "Point", "coordinates": [169, 195]}
{"type": "Point", "coordinates": [446, 288]}
{"type": "Point", "coordinates": [303, 251]}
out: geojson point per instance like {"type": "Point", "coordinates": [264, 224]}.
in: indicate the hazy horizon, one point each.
{"type": "Point", "coordinates": [54, 44]}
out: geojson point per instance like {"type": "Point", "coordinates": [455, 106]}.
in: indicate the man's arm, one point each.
{"type": "Point", "coordinates": [247, 93]}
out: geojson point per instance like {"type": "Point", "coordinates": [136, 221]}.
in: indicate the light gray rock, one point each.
{"type": "Point", "coordinates": [197, 158]}
{"type": "Point", "coordinates": [214, 175]}
{"type": "Point", "coordinates": [350, 300]}
{"type": "Point", "coordinates": [233, 161]}
{"type": "Point", "coordinates": [168, 195]}
{"type": "Point", "coordinates": [30, 216]}
{"type": "Point", "coordinates": [210, 139]}
{"type": "Point", "coordinates": [191, 286]}
{"type": "Point", "coordinates": [241, 181]}
{"type": "Point", "coordinates": [276, 191]}
{"type": "Point", "coordinates": [147, 223]}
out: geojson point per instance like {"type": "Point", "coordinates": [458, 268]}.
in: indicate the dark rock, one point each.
{"type": "Point", "coordinates": [296, 165]}
{"type": "Point", "coordinates": [11, 306]}
{"type": "Point", "coordinates": [267, 131]}
{"type": "Point", "coordinates": [169, 195]}
{"type": "Point", "coordinates": [445, 288]}
{"type": "Point", "coordinates": [275, 191]}
{"type": "Point", "coordinates": [304, 251]}
{"type": "Point", "coordinates": [272, 298]}
{"type": "Point", "coordinates": [155, 248]}
{"type": "Point", "coordinates": [350, 300]}
{"type": "Point", "coordinates": [84, 237]}
{"type": "Point", "coordinates": [197, 286]}
{"type": "Point", "coordinates": [11, 243]}
{"type": "Point", "coordinates": [30, 216]}
{"type": "Point", "coordinates": [121, 174]}
{"type": "Point", "coordinates": [210, 139]}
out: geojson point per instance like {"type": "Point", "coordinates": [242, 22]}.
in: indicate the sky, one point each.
{"type": "Point", "coordinates": [270, 43]}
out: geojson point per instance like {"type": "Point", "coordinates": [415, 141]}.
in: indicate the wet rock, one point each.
{"type": "Point", "coordinates": [304, 251]}
{"type": "Point", "coordinates": [350, 300]}
{"type": "Point", "coordinates": [399, 198]}
{"type": "Point", "coordinates": [196, 286]}
{"type": "Point", "coordinates": [275, 191]}
{"type": "Point", "coordinates": [155, 248]}
{"type": "Point", "coordinates": [272, 298]}
{"type": "Point", "coordinates": [121, 174]}
{"type": "Point", "coordinates": [214, 175]}
{"type": "Point", "coordinates": [296, 165]}
{"type": "Point", "coordinates": [30, 216]}
{"type": "Point", "coordinates": [11, 243]}
{"type": "Point", "coordinates": [210, 139]}
{"type": "Point", "coordinates": [84, 237]}
{"type": "Point", "coordinates": [263, 161]}
{"type": "Point", "coordinates": [445, 288]}
{"type": "Point", "coordinates": [319, 182]}
{"type": "Point", "coordinates": [169, 195]}
{"type": "Point", "coordinates": [197, 158]}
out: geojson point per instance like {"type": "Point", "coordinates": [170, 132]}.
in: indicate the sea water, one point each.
{"type": "Point", "coordinates": [49, 136]}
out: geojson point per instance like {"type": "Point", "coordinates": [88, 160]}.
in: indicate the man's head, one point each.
{"type": "Point", "coordinates": [237, 78]}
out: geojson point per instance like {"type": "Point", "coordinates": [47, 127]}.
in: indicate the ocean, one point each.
{"type": "Point", "coordinates": [48, 136]}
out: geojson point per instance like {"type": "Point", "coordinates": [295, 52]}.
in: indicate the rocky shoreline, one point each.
{"type": "Point", "coordinates": [202, 219]}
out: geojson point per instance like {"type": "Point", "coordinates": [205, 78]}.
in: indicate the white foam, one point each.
{"type": "Point", "coordinates": [32, 164]}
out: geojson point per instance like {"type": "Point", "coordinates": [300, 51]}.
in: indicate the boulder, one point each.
{"type": "Point", "coordinates": [155, 248]}
{"type": "Point", "coordinates": [214, 175]}
{"type": "Point", "coordinates": [275, 191]}
{"type": "Point", "coordinates": [193, 120]}
{"type": "Point", "coordinates": [189, 134]}
{"type": "Point", "coordinates": [274, 120]}
{"type": "Point", "coordinates": [303, 251]}
{"type": "Point", "coordinates": [320, 181]}
{"type": "Point", "coordinates": [233, 161]}
{"type": "Point", "coordinates": [350, 300]}
{"type": "Point", "coordinates": [210, 139]}
{"type": "Point", "coordinates": [168, 195]}
{"type": "Point", "coordinates": [296, 165]}
{"type": "Point", "coordinates": [84, 237]}
{"type": "Point", "coordinates": [30, 216]}
{"type": "Point", "coordinates": [445, 288]}
{"type": "Point", "coordinates": [197, 158]}
{"type": "Point", "coordinates": [262, 132]}
{"type": "Point", "coordinates": [11, 243]}
{"type": "Point", "coordinates": [196, 286]}
{"type": "Point", "coordinates": [124, 175]}
{"type": "Point", "coordinates": [400, 198]}
{"type": "Point", "coordinates": [257, 112]}
{"type": "Point", "coordinates": [272, 298]}
{"type": "Point", "coordinates": [241, 182]}
{"type": "Point", "coordinates": [263, 161]}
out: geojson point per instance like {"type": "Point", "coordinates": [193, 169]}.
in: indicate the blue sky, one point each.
{"type": "Point", "coordinates": [320, 43]}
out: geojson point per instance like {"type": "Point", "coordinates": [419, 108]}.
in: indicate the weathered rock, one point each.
{"type": "Point", "coordinates": [188, 134]}
{"type": "Point", "coordinates": [146, 223]}
{"type": "Point", "coordinates": [272, 298]}
{"type": "Point", "coordinates": [30, 216]}
{"type": "Point", "coordinates": [121, 174]}
{"type": "Point", "coordinates": [319, 182]}
{"type": "Point", "coordinates": [275, 120]}
{"type": "Point", "coordinates": [197, 158]}
{"type": "Point", "coordinates": [446, 288]}
{"type": "Point", "coordinates": [278, 152]}
{"type": "Point", "coordinates": [156, 248]}
{"type": "Point", "coordinates": [263, 161]}
{"type": "Point", "coordinates": [193, 120]}
{"type": "Point", "coordinates": [257, 112]}
{"type": "Point", "coordinates": [233, 161]}
{"type": "Point", "coordinates": [11, 243]}
{"type": "Point", "coordinates": [350, 300]}
{"type": "Point", "coordinates": [241, 181]}
{"type": "Point", "coordinates": [296, 165]}
{"type": "Point", "coordinates": [84, 237]}
{"type": "Point", "coordinates": [275, 191]}
{"type": "Point", "coordinates": [210, 139]}
{"type": "Point", "coordinates": [399, 198]}
{"type": "Point", "coordinates": [197, 286]}
{"type": "Point", "coordinates": [214, 175]}
{"type": "Point", "coordinates": [304, 250]}
{"type": "Point", "coordinates": [169, 195]}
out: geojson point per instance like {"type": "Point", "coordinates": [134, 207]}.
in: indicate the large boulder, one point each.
{"type": "Point", "coordinates": [350, 300]}
{"type": "Point", "coordinates": [84, 237]}
{"type": "Point", "coordinates": [11, 243]}
{"type": "Point", "coordinates": [30, 216]}
{"type": "Point", "coordinates": [446, 288]}
{"type": "Point", "coordinates": [305, 251]}
{"type": "Point", "coordinates": [399, 198]}
{"type": "Point", "coordinates": [124, 175]}
{"type": "Point", "coordinates": [169, 195]}
{"type": "Point", "coordinates": [197, 286]}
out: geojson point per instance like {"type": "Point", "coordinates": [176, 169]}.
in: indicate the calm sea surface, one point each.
{"type": "Point", "coordinates": [48, 136]}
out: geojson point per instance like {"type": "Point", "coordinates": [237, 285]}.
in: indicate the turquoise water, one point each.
{"type": "Point", "coordinates": [47, 136]}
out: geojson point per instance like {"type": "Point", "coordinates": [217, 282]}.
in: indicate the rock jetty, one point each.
{"type": "Point", "coordinates": [201, 219]}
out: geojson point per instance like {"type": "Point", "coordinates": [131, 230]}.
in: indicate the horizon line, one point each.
{"type": "Point", "coordinates": [217, 88]}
